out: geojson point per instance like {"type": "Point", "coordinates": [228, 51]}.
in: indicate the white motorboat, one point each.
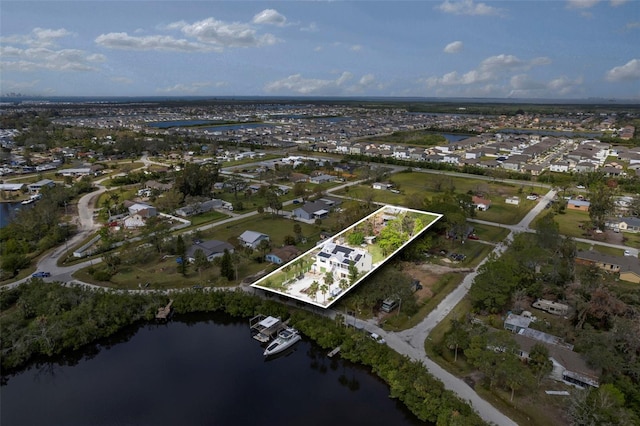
{"type": "Point", "coordinates": [286, 338]}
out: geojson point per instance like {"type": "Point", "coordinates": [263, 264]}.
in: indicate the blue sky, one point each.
{"type": "Point", "coordinates": [510, 49]}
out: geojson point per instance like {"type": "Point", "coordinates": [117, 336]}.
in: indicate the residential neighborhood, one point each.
{"type": "Point", "coordinates": [441, 233]}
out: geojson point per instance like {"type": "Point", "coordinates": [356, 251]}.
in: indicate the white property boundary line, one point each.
{"type": "Point", "coordinates": [382, 210]}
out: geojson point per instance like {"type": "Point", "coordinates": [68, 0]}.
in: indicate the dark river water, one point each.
{"type": "Point", "coordinates": [199, 371]}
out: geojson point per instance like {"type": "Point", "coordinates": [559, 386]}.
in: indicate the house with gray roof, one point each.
{"type": "Point", "coordinates": [627, 266]}
{"type": "Point", "coordinates": [625, 224]}
{"type": "Point", "coordinates": [252, 238]}
{"type": "Point", "coordinates": [44, 183]}
{"type": "Point", "coordinates": [312, 210]}
{"type": "Point", "coordinates": [210, 248]}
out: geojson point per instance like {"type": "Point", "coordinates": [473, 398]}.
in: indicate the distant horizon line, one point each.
{"type": "Point", "coordinates": [115, 98]}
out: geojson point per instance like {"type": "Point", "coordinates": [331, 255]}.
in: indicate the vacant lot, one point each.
{"type": "Point", "coordinates": [420, 186]}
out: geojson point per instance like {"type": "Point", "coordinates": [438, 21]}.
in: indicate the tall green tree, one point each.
{"type": "Point", "coordinates": [539, 362]}
{"type": "Point", "coordinates": [457, 337]}
{"type": "Point", "coordinates": [197, 179]}
{"type": "Point", "coordinates": [226, 266]}
{"type": "Point", "coordinates": [601, 203]}
{"type": "Point", "coordinates": [181, 252]}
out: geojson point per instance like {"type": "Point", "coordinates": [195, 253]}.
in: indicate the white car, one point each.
{"type": "Point", "coordinates": [627, 253]}
{"type": "Point", "coordinates": [377, 338]}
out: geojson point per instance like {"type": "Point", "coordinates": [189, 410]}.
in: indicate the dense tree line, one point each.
{"type": "Point", "coordinates": [48, 319]}
{"type": "Point", "coordinates": [606, 322]}
{"type": "Point", "coordinates": [38, 227]}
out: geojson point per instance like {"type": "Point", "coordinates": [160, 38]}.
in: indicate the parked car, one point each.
{"type": "Point", "coordinates": [377, 338]}
{"type": "Point", "coordinates": [41, 274]}
{"type": "Point", "coordinates": [473, 237]}
{"type": "Point", "coordinates": [627, 253]}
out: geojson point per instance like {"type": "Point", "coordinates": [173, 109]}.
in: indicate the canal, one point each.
{"type": "Point", "coordinates": [197, 370]}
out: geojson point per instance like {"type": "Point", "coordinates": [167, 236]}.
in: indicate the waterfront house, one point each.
{"type": "Point", "coordinates": [44, 183]}
{"type": "Point", "coordinates": [336, 259]}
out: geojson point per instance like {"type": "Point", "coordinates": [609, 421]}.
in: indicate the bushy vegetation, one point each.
{"type": "Point", "coordinates": [42, 319]}
{"type": "Point", "coordinates": [606, 322]}
{"type": "Point", "coordinates": [38, 228]}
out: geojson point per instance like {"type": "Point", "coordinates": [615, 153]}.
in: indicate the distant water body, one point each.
{"type": "Point", "coordinates": [199, 370]}
{"type": "Point", "coordinates": [7, 212]}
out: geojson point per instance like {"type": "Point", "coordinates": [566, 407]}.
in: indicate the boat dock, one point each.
{"type": "Point", "coordinates": [164, 312]}
{"type": "Point", "coordinates": [333, 352]}
{"type": "Point", "coordinates": [265, 328]}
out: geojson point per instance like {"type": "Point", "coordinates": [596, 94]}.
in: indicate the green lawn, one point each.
{"type": "Point", "coordinates": [274, 226]}
{"type": "Point", "coordinates": [413, 185]}
{"type": "Point", "coordinates": [494, 234]}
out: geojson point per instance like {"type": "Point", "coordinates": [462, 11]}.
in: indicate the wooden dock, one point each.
{"type": "Point", "coordinates": [164, 312]}
{"type": "Point", "coordinates": [333, 352]}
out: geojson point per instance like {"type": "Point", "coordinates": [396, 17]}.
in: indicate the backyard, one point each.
{"type": "Point", "coordinates": [420, 186]}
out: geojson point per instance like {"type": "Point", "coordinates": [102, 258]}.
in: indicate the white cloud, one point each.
{"type": "Point", "coordinates": [222, 34]}
{"type": "Point", "coordinates": [523, 82]}
{"type": "Point", "coordinates": [632, 25]}
{"type": "Point", "coordinates": [305, 86]}
{"type": "Point", "coordinates": [627, 72]}
{"type": "Point", "coordinates": [312, 28]}
{"type": "Point", "coordinates": [18, 86]}
{"type": "Point", "coordinates": [356, 48]}
{"type": "Point", "coordinates": [468, 7]}
{"type": "Point", "coordinates": [42, 58]}
{"type": "Point", "coordinates": [582, 4]}
{"type": "Point", "coordinates": [494, 75]}
{"type": "Point", "coordinates": [184, 88]}
{"type": "Point", "coordinates": [39, 37]}
{"type": "Point", "coordinates": [124, 41]}
{"type": "Point", "coordinates": [454, 47]}
{"type": "Point", "coordinates": [122, 80]}
{"type": "Point", "coordinates": [367, 80]}
{"type": "Point", "coordinates": [270, 17]}
{"type": "Point", "coordinates": [564, 86]}
{"type": "Point", "coordinates": [616, 3]}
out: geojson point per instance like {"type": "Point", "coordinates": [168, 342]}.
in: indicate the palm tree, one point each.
{"type": "Point", "coordinates": [313, 288]}
{"type": "Point", "coordinates": [323, 289]}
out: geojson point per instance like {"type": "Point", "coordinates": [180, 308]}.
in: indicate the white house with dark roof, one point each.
{"type": "Point", "coordinates": [336, 259]}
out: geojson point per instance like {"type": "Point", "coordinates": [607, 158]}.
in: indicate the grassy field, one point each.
{"type": "Point", "coordinates": [274, 226]}
{"type": "Point", "coordinates": [423, 186]}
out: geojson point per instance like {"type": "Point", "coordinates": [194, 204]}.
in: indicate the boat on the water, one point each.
{"type": "Point", "coordinates": [286, 338]}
